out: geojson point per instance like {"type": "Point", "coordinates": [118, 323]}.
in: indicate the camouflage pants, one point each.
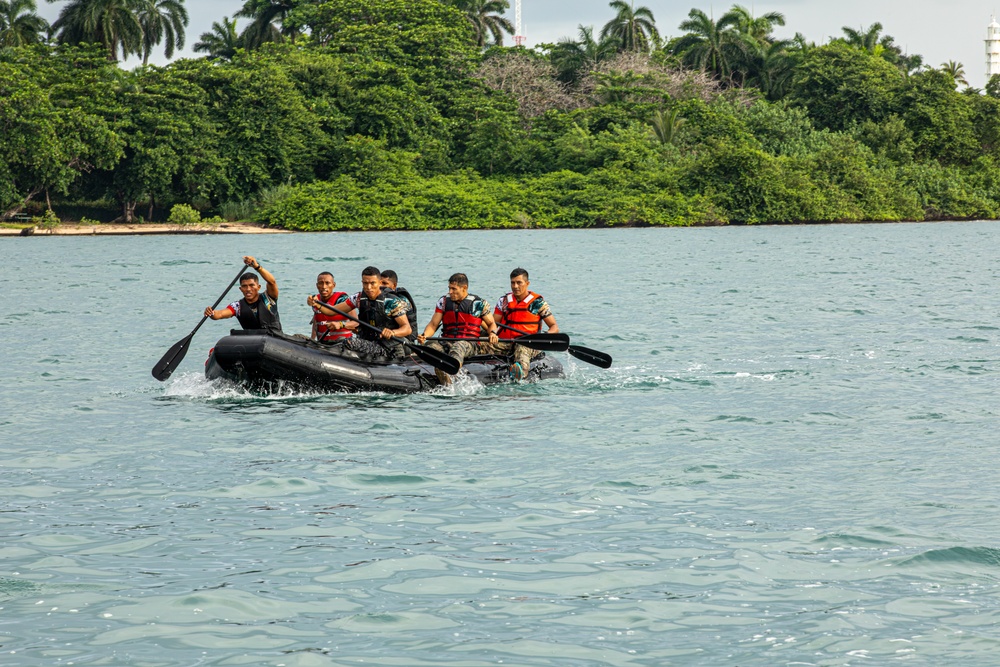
{"type": "Point", "coordinates": [459, 349]}
{"type": "Point", "coordinates": [377, 349]}
{"type": "Point", "coordinates": [521, 354]}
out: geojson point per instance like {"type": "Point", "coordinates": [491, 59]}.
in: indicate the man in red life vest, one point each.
{"type": "Point", "coordinates": [463, 315]}
{"type": "Point", "coordinates": [254, 310]}
{"type": "Point", "coordinates": [525, 311]}
{"type": "Point", "coordinates": [329, 328]}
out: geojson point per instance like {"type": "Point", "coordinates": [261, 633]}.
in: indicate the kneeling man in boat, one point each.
{"type": "Point", "coordinates": [382, 310]}
{"type": "Point", "coordinates": [255, 310]}
{"type": "Point", "coordinates": [463, 315]}
{"type": "Point", "coordinates": [518, 313]}
{"type": "Point", "coordinates": [390, 283]}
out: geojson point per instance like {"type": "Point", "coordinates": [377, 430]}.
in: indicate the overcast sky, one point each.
{"type": "Point", "coordinates": [939, 30]}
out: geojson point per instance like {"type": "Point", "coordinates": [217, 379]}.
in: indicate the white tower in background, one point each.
{"type": "Point", "coordinates": [992, 48]}
{"type": "Point", "coordinates": [519, 32]}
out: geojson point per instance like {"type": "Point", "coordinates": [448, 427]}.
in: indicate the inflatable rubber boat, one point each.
{"type": "Point", "coordinates": [270, 362]}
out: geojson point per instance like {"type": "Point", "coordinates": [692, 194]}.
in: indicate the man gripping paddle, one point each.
{"type": "Point", "coordinates": [519, 312]}
{"type": "Point", "coordinates": [255, 310]}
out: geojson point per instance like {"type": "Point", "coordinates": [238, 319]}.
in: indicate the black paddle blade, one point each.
{"type": "Point", "coordinates": [172, 359]}
{"type": "Point", "coordinates": [437, 359]}
{"type": "Point", "coordinates": [595, 357]}
{"type": "Point", "coordinates": [546, 342]}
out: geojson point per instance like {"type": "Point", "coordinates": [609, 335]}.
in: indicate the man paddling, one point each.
{"type": "Point", "coordinates": [382, 310]}
{"type": "Point", "coordinates": [255, 310]}
{"type": "Point", "coordinates": [390, 283]}
{"type": "Point", "coordinates": [524, 312]}
{"type": "Point", "coordinates": [333, 327]}
{"type": "Point", "coordinates": [463, 316]}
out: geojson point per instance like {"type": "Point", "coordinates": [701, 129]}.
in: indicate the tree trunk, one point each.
{"type": "Point", "coordinates": [48, 200]}
{"type": "Point", "coordinates": [128, 211]}
{"type": "Point", "coordinates": [149, 218]}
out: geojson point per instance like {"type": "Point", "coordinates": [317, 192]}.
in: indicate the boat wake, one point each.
{"type": "Point", "coordinates": [197, 386]}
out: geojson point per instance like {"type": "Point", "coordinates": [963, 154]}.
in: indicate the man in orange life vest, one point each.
{"type": "Point", "coordinates": [463, 315]}
{"type": "Point", "coordinates": [525, 311]}
{"type": "Point", "coordinates": [334, 327]}
{"type": "Point", "coordinates": [254, 310]}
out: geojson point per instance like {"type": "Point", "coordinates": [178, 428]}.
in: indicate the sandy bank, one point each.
{"type": "Point", "coordinates": [117, 229]}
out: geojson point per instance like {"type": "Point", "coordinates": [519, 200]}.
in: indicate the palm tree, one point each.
{"type": "Point", "coordinates": [572, 59]}
{"type": "Point", "coordinates": [757, 28]}
{"type": "Point", "coordinates": [867, 40]}
{"type": "Point", "coordinates": [111, 23]}
{"type": "Point", "coordinates": [713, 46]}
{"type": "Point", "coordinates": [19, 24]}
{"type": "Point", "coordinates": [635, 29]}
{"type": "Point", "coordinates": [486, 18]}
{"type": "Point", "coordinates": [665, 124]}
{"type": "Point", "coordinates": [771, 69]}
{"type": "Point", "coordinates": [222, 43]}
{"type": "Point", "coordinates": [264, 15]}
{"type": "Point", "coordinates": [956, 70]}
{"type": "Point", "coordinates": [162, 19]}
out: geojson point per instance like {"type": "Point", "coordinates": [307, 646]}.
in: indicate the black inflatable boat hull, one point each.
{"type": "Point", "coordinates": [275, 362]}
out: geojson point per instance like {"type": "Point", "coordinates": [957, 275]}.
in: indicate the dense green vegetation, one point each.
{"type": "Point", "coordinates": [409, 114]}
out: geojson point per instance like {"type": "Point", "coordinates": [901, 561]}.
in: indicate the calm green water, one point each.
{"type": "Point", "coordinates": [792, 462]}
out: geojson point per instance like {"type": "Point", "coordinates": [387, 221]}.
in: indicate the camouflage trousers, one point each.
{"type": "Point", "coordinates": [377, 349]}
{"type": "Point", "coordinates": [521, 354]}
{"type": "Point", "coordinates": [459, 349]}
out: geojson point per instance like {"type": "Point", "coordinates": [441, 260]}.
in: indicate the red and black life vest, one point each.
{"type": "Point", "coordinates": [324, 331]}
{"type": "Point", "coordinates": [458, 320]}
{"type": "Point", "coordinates": [516, 315]}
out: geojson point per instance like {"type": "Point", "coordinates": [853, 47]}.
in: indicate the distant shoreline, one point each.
{"type": "Point", "coordinates": [163, 229]}
{"type": "Point", "coordinates": [140, 229]}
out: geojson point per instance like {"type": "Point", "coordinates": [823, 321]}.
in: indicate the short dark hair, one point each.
{"type": "Point", "coordinates": [459, 279]}
{"type": "Point", "coordinates": [327, 273]}
{"type": "Point", "coordinates": [249, 276]}
{"type": "Point", "coordinates": [371, 271]}
{"type": "Point", "coordinates": [518, 272]}
{"type": "Point", "coordinates": [391, 276]}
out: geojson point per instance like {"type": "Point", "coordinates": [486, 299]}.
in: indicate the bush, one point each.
{"type": "Point", "coordinates": [182, 214]}
{"type": "Point", "coordinates": [47, 220]}
{"type": "Point", "coordinates": [238, 210]}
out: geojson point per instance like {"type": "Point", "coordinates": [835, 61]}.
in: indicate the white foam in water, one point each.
{"type": "Point", "coordinates": [196, 385]}
{"type": "Point", "coordinates": [462, 384]}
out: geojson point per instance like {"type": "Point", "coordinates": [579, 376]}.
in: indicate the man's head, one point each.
{"type": "Point", "coordinates": [519, 283]}
{"type": "Point", "coordinates": [370, 279]}
{"type": "Point", "coordinates": [388, 279]}
{"type": "Point", "coordinates": [458, 287]}
{"type": "Point", "coordinates": [325, 284]}
{"type": "Point", "coordinates": [250, 286]}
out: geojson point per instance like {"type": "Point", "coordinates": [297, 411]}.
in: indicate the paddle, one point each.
{"type": "Point", "coordinates": [546, 342]}
{"type": "Point", "coordinates": [175, 355]}
{"type": "Point", "coordinates": [595, 357]}
{"type": "Point", "coordinates": [437, 359]}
